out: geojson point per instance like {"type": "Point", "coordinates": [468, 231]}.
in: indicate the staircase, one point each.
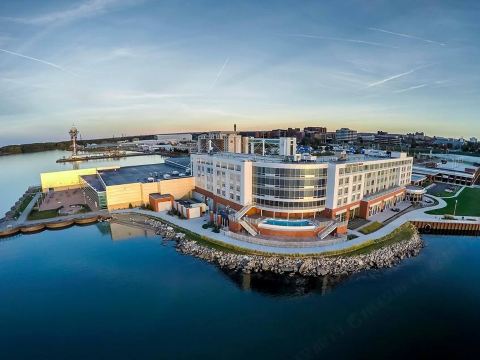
{"type": "Point", "coordinates": [240, 213]}
{"type": "Point", "coordinates": [328, 230]}
{"type": "Point", "coordinates": [248, 227]}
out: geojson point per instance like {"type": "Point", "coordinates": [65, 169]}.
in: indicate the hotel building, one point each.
{"type": "Point", "coordinates": [292, 187]}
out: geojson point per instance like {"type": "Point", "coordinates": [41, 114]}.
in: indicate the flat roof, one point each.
{"type": "Point", "coordinates": [418, 177]}
{"type": "Point", "coordinates": [160, 196]}
{"type": "Point", "coordinates": [181, 162]}
{"type": "Point", "coordinates": [439, 171]}
{"type": "Point", "coordinates": [139, 174]}
{"type": "Point", "coordinates": [350, 159]}
{"type": "Point", "coordinates": [95, 182]}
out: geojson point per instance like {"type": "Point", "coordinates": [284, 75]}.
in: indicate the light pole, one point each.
{"type": "Point", "coordinates": [455, 210]}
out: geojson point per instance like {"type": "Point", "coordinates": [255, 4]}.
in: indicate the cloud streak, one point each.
{"type": "Point", "coordinates": [355, 41]}
{"type": "Point", "coordinates": [394, 77]}
{"type": "Point", "coordinates": [410, 88]}
{"type": "Point", "coordinates": [48, 63]}
{"type": "Point", "coordinates": [86, 9]}
{"type": "Point", "coordinates": [407, 36]}
{"type": "Point", "coordinates": [219, 74]}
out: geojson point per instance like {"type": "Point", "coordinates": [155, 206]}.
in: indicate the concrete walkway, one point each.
{"type": "Point", "coordinates": [23, 216]}
{"type": "Point", "coordinates": [195, 225]}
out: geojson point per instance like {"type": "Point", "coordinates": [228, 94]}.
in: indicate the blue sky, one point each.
{"type": "Point", "coordinates": [143, 66]}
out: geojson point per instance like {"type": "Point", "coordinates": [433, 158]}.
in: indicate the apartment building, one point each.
{"type": "Point", "coordinates": [345, 135]}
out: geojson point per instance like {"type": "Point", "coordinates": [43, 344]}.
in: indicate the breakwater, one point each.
{"type": "Point", "coordinates": [50, 224]}
{"type": "Point", "coordinates": [384, 257]}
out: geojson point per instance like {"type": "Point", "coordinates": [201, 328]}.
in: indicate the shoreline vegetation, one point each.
{"type": "Point", "coordinates": [62, 145]}
{"type": "Point", "coordinates": [384, 252]}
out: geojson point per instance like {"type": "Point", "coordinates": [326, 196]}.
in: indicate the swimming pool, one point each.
{"type": "Point", "coordinates": [297, 223]}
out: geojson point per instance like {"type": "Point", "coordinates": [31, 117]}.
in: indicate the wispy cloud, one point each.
{"type": "Point", "coordinates": [48, 63]}
{"type": "Point", "coordinates": [397, 76]}
{"type": "Point", "coordinates": [355, 41]}
{"type": "Point", "coordinates": [407, 36]}
{"type": "Point", "coordinates": [219, 74]}
{"type": "Point", "coordinates": [145, 95]}
{"type": "Point", "coordinates": [85, 9]}
{"type": "Point", "coordinates": [410, 88]}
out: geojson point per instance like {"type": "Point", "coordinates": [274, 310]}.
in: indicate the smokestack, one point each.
{"type": "Point", "coordinates": [235, 127]}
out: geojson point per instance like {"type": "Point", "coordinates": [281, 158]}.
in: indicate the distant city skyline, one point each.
{"type": "Point", "coordinates": [143, 67]}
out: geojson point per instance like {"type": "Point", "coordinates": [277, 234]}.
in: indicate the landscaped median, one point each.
{"type": "Point", "coordinates": [370, 228]}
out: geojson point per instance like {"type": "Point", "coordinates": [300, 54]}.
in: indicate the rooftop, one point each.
{"type": "Point", "coordinates": [180, 162]}
{"type": "Point", "coordinates": [423, 170]}
{"type": "Point", "coordinates": [95, 182]}
{"type": "Point", "coordinates": [140, 173]}
{"type": "Point", "coordinates": [160, 196]}
{"type": "Point", "coordinates": [349, 159]}
{"type": "Point", "coordinates": [417, 177]}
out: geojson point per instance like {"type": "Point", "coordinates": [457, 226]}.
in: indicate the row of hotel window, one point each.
{"type": "Point", "coordinates": [353, 168]}
{"type": "Point", "coordinates": [287, 205]}
{"type": "Point", "coordinates": [289, 172]}
{"type": "Point", "coordinates": [231, 196]}
{"type": "Point", "coordinates": [290, 193]}
{"type": "Point", "coordinates": [289, 183]}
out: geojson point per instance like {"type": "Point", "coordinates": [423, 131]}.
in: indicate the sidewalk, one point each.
{"type": "Point", "coordinates": [195, 225]}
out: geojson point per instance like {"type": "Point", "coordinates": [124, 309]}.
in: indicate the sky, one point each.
{"type": "Point", "coordinates": [114, 67]}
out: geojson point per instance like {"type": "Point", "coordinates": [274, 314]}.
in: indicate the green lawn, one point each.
{"type": "Point", "coordinates": [24, 205]}
{"type": "Point", "coordinates": [404, 232]}
{"type": "Point", "coordinates": [41, 215]}
{"type": "Point", "coordinates": [468, 204]}
{"type": "Point", "coordinates": [370, 228]}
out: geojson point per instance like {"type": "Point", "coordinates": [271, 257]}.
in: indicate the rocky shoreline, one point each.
{"type": "Point", "coordinates": [384, 257]}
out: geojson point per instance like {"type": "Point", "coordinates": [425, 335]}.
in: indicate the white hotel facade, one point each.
{"type": "Point", "coordinates": [339, 188]}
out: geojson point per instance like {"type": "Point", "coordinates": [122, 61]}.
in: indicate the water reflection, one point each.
{"type": "Point", "coordinates": [266, 283]}
{"type": "Point", "coordinates": [125, 232]}
{"type": "Point", "coordinates": [277, 285]}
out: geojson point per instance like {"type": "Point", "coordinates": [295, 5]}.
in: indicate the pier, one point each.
{"type": "Point", "coordinates": [445, 227]}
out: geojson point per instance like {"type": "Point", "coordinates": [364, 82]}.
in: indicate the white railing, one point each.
{"type": "Point", "coordinates": [325, 232]}
{"type": "Point", "coordinates": [248, 227]}
{"type": "Point", "coordinates": [238, 215]}
{"type": "Point", "coordinates": [283, 243]}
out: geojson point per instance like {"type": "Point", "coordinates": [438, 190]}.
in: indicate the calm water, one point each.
{"type": "Point", "coordinates": [18, 172]}
{"type": "Point", "coordinates": [91, 292]}
{"type": "Point", "coordinates": [118, 292]}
